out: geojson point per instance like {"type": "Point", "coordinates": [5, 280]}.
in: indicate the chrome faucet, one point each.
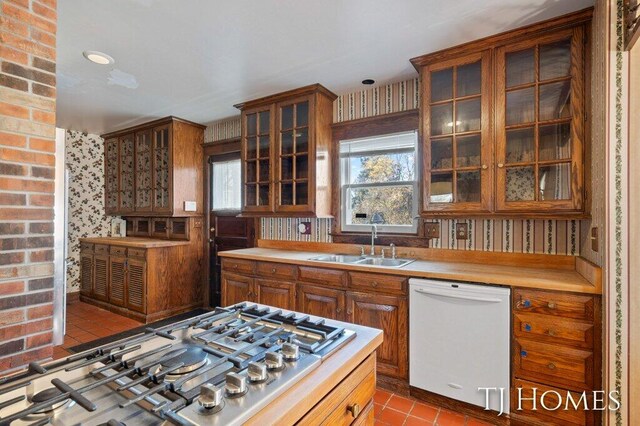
{"type": "Point", "coordinates": [374, 235]}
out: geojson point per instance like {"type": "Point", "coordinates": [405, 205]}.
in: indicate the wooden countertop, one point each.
{"type": "Point", "coordinates": [133, 242]}
{"type": "Point", "coordinates": [292, 405]}
{"type": "Point", "coordinates": [543, 278]}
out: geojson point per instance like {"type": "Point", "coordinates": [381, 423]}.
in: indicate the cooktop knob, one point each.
{"type": "Point", "coordinates": [236, 385]}
{"type": "Point", "coordinates": [210, 396]}
{"type": "Point", "coordinates": [257, 372]}
{"type": "Point", "coordinates": [290, 352]}
{"type": "Point", "coordinates": [273, 360]}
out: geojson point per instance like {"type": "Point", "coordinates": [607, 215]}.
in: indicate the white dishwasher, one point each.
{"type": "Point", "coordinates": [459, 340]}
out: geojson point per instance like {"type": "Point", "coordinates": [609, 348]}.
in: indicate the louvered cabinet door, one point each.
{"type": "Point", "coordinates": [86, 274]}
{"type": "Point", "coordinates": [101, 277]}
{"type": "Point", "coordinates": [117, 280]}
{"type": "Point", "coordinates": [136, 285]}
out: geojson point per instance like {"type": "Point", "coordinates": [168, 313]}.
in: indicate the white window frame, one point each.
{"type": "Point", "coordinates": [345, 210]}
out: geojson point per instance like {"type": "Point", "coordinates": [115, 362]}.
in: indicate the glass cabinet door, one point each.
{"type": "Point", "coordinates": [539, 127]}
{"type": "Point", "coordinates": [292, 183]}
{"type": "Point", "coordinates": [257, 171]}
{"type": "Point", "coordinates": [143, 171]}
{"type": "Point", "coordinates": [111, 191]}
{"type": "Point", "coordinates": [126, 147]}
{"type": "Point", "coordinates": [457, 145]}
{"type": "Point", "coordinates": [161, 157]}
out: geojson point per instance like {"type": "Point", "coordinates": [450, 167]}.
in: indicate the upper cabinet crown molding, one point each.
{"type": "Point", "coordinates": [504, 123]}
{"type": "Point", "coordinates": [286, 153]}
{"type": "Point", "coordinates": [154, 168]}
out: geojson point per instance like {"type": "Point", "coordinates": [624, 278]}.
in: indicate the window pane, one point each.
{"type": "Point", "coordinates": [520, 67]}
{"type": "Point", "coordinates": [302, 140]}
{"type": "Point", "coordinates": [389, 205]}
{"type": "Point", "coordinates": [468, 187]}
{"type": "Point", "coordinates": [555, 182]}
{"type": "Point", "coordinates": [286, 168]}
{"type": "Point", "coordinates": [441, 153]}
{"type": "Point", "coordinates": [442, 119]}
{"type": "Point", "coordinates": [382, 168]}
{"type": "Point", "coordinates": [301, 193]}
{"type": "Point", "coordinates": [302, 114]}
{"type": "Point", "coordinates": [555, 59]}
{"type": "Point", "coordinates": [555, 100]}
{"type": "Point", "coordinates": [520, 183]}
{"type": "Point", "coordinates": [469, 78]}
{"type": "Point", "coordinates": [520, 106]}
{"type": "Point", "coordinates": [554, 142]}
{"type": "Point", "coordinates": [520, 146]}
{"type": "Point", "coordinates": [264, 122]}
{"type": "Point", "coordinates": [468, 151]}
{"type": "Point", "coordinates": [225, 185]}
{"type": "Point", "coordinates": [287, 117]}
{"type": "Point", "coordinates": [442, 85]}
{"type": "Point", "coordinates": [251, 124]}
{"type": "Point", "coordinates": [302, 167]}
{"type": "Point", "coordinates": [441, 189]}
{"type": "Point", "coordinates": [468, 115]}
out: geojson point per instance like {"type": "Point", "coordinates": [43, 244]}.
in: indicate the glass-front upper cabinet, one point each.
{"type": "Point", "coordinates": [256, 158]}
{"type": "Point", "coordinates": [126, 199]}
{"type": "Point", "coordinates": [539, 124]}
{"type": "Point", "coordinates": [457, 146]}
{"type": "Point", "coordinates": [143, 171]}
{"type": "Point", "coordinates": [111, 192]}
{"type": "Point", "coordinates": [292, 182]}
{"type": "Point", "coordinates": [161, 168]}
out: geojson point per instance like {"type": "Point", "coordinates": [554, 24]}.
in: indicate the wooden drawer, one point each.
{"type": "Point", "coordinates": [136, 252]}
{"type": "Point", "coordinates": [160, 228]}
{"type": "Point", "coordinates": [86, 247]}
{"type": "Point", "coordinates": [179, 229]}
{"type": "Point", "coordinates": [553, 329]}
{"type": "Point", "coordinates": [101, 249]}
{"type": "Point", "coordinates": [239, 266]}
{"type": "Point", "coordinates": [117, 251]}
{"type": "Point", "coordinates": [276, 270]}
{"type": "Point", "coordinates": [554, 365]}
{"type": "Point", "coordinates": [569, 305]}
{"type": "Point", "coordinates": [571, 416]}
{"type": "Point", "coordinates": [378, 282]}
{"type": "Point", "coordinates": [331, 277]}
{"type": "Point", "coordinates": [348, 400]}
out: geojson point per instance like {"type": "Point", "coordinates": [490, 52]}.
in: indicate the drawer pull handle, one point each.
{"type": "Point", "coordinates": [273, 270]}
{"type": "Point", "coordinates": [374, 284]}
{"type": "Point", "coordinates": [551, 366]}
{"type": "Point", "coordinates": [354, 409]}
{"type": "Point", "coordinates": [235, 266]}
{"type": "Point", "coordinates": [551, 332]}
{"type": "Point", "coordinates": [551, 305]}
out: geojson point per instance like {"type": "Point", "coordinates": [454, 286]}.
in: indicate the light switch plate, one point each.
{"type": "Point", "coordinates": [462, 231]}
{"type": "Point", "coordinates": [432, 229]}
{"type": "Point", "coordinates": [190, 206]}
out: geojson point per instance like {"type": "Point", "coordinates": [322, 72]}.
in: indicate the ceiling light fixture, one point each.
{"type": "Point", "coordinates": [368, 81]}
{"type": "Point", "coordinates": [98, 57]}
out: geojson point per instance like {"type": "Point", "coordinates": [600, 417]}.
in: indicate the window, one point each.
{"type": "Point", "coordinates": [225, 185]}
{"type": "Point", "coordinates": [379, 183]}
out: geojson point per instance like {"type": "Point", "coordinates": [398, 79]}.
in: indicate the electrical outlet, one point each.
{"type": "Point", "coordinates": [462, 231]}
{"type": "Point", "coordinates": [304, 228]}
{"type": "Point", "coordinates": [432, 229]}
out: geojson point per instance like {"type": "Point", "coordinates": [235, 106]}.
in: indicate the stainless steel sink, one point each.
{"type": "Point", "coordinates": [378, 261]}
{"type": "Point", "coordinates": [338, 258]}
{"type": "Point", "coordinates": [363, 260]}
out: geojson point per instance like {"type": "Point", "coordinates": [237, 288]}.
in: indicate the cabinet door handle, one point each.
{"type": "Point", "coordinates": [349, 312]}
{"type": "Point", "coordinates": [273, 270]}
{"type": "Point", "coordinates": [551, 366]}
{"type": "Point", "coordinates": [235, 266]}
{"type": "Point", "coordinates": [551, 305]}
{"type": "Point", "coordinates": [354, 409]}
{"type": "Point", "coordinates": [485, 167]}
{"type": "Point", "coordinates": [338, 310]}
{"type": "Point", "coordinates": [374, 283]}
{"type": "Point", "coordinates": [551, 332]}
{"type": "Point", "coordinates": [500, 165]}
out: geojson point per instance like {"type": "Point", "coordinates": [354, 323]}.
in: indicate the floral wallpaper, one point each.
{"type": "Point", "coordinates": [84, 159]}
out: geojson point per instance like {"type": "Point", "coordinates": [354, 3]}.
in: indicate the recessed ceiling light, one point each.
{"type": "Point", "coordinates": [368, 81]}
{"type": "Point", "coordinates": [98, 57]}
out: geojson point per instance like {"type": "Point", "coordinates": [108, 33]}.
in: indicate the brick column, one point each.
{"type": "Point", "coordinates": [27, 155]}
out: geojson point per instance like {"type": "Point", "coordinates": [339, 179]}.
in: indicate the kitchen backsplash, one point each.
{"type": "Point", "coordinates": [84, 158]}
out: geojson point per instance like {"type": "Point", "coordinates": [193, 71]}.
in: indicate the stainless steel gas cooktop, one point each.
{"type": "Point", "coordinates": [220, 368]}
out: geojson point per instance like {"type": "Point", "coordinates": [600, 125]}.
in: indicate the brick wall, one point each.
{"type": "Point", "coordinates": [27, 154]}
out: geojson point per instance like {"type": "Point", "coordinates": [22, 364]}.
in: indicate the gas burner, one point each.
{"type": "Point", "coordinates": [193, 358]}
{"type": "Point", "coordinates": [46, 395]}
{"type": "Point", "coordinates": [240, 329]}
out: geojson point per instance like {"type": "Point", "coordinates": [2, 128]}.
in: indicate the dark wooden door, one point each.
{"type": "Point", "coordinates": [236, 289]}
{"type": "Point", "coordinates": [280, 294]}
{"type": "Point", "coordinates": [321, 301]}
{"type": "Point", "coordinates": [226, 231]}
{"type": "Point", "coordinates": [388, 313]}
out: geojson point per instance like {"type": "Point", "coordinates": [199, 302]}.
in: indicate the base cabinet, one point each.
{"type": "Point", "coordinates": [321, 301]}
{"type": "Point", "coordinates": [275, 293]}
{"type": "Point", "coordinates": [236, 289]}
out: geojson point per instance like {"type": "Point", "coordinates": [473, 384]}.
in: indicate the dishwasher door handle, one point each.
{"type": "Point", "coordinates": [458, 296]}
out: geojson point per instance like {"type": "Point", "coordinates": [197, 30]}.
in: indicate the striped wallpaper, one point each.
{"type": "Point", "coordinates": [522, 236]}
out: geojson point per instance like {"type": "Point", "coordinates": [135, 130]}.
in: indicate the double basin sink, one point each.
{"type": "Point", "coordinates": [362, 260]}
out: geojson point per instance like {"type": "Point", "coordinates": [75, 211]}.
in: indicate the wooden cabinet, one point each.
{"type": "Point", "coordinates": [556, 347]}
{"type": "Point", "coordinates": [140, 280]}
{"type": "Point", "coordinates": [153, 169]}
{"type": "Point", "coordinates": [280, 294]}
{"type": "Point", "coordinates": [390, 314]}
{"type": "Point", "coordinates": [286, 153]}
{"type": "Point", "coordinates": [503, 123]}
{"type": "Point", "coordinates": [458, 150]}
{"type": "Point", "coordinates": [236, 289]}
{"type": "Point", "coordinates": [321, 301]}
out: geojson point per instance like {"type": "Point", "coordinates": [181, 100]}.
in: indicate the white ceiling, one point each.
{"type": "Point", "coordinates": [196, 58]}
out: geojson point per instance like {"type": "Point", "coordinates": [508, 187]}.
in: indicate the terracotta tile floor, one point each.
{"type": "Point", "coordinates": [87, 322]}
{"type": "Point", "coordinates": [396, 410]}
